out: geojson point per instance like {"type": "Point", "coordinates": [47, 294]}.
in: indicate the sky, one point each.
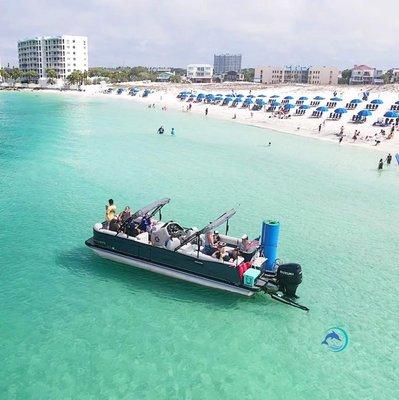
{"type": "Point", "coordinates": [176, 32]}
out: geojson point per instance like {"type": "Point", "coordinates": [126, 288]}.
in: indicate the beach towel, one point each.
{"type": "Point", "coordinates": [397, 157]}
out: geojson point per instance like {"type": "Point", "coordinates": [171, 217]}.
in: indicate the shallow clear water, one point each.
{"type": "Point", "coordinates": [75, 326]}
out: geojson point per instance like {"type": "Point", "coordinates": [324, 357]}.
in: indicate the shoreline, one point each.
{"type": "Point", "coordinates": [164, 96]}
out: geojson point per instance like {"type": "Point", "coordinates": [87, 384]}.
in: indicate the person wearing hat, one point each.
{"type": "Point", "coordinates": [245, 243]}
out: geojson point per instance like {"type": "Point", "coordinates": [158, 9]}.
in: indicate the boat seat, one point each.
{"type": "Point", "coordinates": [142, 237]}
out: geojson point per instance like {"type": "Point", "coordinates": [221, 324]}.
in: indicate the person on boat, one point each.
{"type": "Point", "coordinates": [145, 223]}
{"type": "Point", "coordinates": [110, 211]}
{"type": "Point", "coordinates": [161, 130]}
{"type": "Point", "coordinates": [125, 214]}
{"type": "Point", "coordinates": [209, 246]}
{"type": "Point", "coordinates": [245, 243]}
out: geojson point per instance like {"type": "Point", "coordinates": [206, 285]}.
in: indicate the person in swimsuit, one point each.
{"type": "Point", "coordinates": [110, 212]}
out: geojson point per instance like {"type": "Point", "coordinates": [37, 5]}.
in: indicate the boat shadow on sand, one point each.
{"type": "Point", "coordinates": [83, 262]}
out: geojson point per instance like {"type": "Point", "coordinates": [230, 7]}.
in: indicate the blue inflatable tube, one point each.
{"type": "Point", "coordinates": [269, 243]}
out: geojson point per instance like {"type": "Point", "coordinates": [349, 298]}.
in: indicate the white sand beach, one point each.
{"type": "Point", "coordinates": [164, 95]}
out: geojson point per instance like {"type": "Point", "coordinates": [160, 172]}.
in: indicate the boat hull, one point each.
{"type": "Point", "coordinates": [160, 269]}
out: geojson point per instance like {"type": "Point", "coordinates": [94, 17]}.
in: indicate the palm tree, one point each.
{"type": "Point", "coordinates": [15, 75]}
{"type": "Point", "coordinates": [51, 75]}
{"type": "Point", "coordinates": [31, 75]}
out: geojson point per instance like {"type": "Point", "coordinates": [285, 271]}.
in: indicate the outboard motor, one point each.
{"type": "Point", "coordinates": [289, 276]}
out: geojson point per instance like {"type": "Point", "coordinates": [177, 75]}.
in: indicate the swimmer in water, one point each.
{"type": "Point", "coordinates": [172, 132]}
{"type": "Point", "coordinates": [161, 130]}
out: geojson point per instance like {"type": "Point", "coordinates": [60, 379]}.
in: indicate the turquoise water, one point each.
{"type": "Point", "coordinates": [75, 326]}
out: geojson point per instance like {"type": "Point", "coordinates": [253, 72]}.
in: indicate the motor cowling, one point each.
{"type": "Point", "coordinates": [289, 277]}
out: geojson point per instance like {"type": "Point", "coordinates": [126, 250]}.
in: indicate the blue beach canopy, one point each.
{"type": "Point", "coordinates": [336, 99]}
{"type": "Point", "coordinates": [364, 113]}
{"type": "Point", "coordinates": [397, 103]}
{"type": "Point", "coordinates": [304, 107]}
{"type": "Point", "coordinates": [318, 98]}
{"type": "Point", "coordinates": [288, 98]}
{"type": "Point", "coordinates": [322, 109]}
{"type": "Point", "coordinates": [288, 106]}
{"type": "Point", "coordinates": [275, 96]}
{"type": "Point", "coordinates": [356, 101]}
{"type": "Point", "coordinates": [240, 95]}
{"type": "Point", "coordinates": [261, 95]}
{"type": "Point", "coordinates": [236, 100]}
{"type": "Point", "coordinates": [341, 110]}
{"type": "Point", "coordinates": [275, 104]}
{"type": "Point", "coordinates": [250, 96]}
{"type": "Point", "coordinates": [391, 114]}
{"type": "Point", "coordinates": [377, 101]}
{"type": "Point", "coordinates": [201, 96]}
{"type": "Point", "coordinates": [260, 102]}
{"type": "Point", "coordinates": [248, 101]}
{"type": "Point", "coordinates": [303, 98]}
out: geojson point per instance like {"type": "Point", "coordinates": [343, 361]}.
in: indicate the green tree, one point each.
{"type": "Point", "coordinates": [15, 74]}
{"type": "Point", "coordinates": [387, 77]}
{"type": "Point", "coordinates": [345, 77]}
{"type": "Point", "coordinates": [31, 76]}
{"type": "Point", "coordinates": [249, 74]}
{"type": "Point", "coordinates": [77, 77]}
{"type": "Point", "coordinates": [175, 79]}
{"type": "Point", "coordinates": [51, 75]}
{"type": "Point", "coordinates": [4, 74]}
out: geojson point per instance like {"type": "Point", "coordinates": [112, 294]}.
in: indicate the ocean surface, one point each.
{"type": "Point", "coordinates": [74, 326]}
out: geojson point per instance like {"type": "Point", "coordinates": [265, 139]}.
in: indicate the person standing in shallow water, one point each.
{"type": "Point", "coordinates": [380, 165]}
{"type": "Point", "coordinates": [206, 111]}
{"type": "Point", "coordinates": [319, 128]}
{"type": "Point", "coordinates": [389, 159]}
{"type": "Point", "coordinates": [172, 132]}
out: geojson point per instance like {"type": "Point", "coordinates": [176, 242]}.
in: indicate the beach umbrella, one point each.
{"type": "Point", "coordinates": [356, 101]}
{"type": "Point", "coordinates": [275, 104]}
{"type": "Point", "coordinates": [391, 114]}
{"type": "Point", "coordinates": [364, 113]}
{"type": "Point", "coordinates": [248, 101]}
{"type": "Point", "coordinates": [288, 98]}
{"type": "Point", "coordinates": [288, 106]}
{"type": "Point", "coordinates": [262, 95]}
{"type": "Point", "coordinates": [227, 100]}
{"type": "Point", "coordinates": [201, 96]}
{"type": "Point", "coordinates": [341, 110]}
{"type": "Point", "coordinates": [251, 95]}
{"type": "Point", "coordinates": [336, 99]}
{"type": "Point", "coordinates": [238, 99]}
{"type": "Point", "coordinates": [192, 95]}
{"type": "Point", "coordinates": [303, 98]}
{"type": "Point", "coordinates": [397, 103]}
{"type": "Point", "coordinates": [260, 102]}
{"type": "Point", "coordinates": [239, 95]}
{"type": "Point", "coordinates": [377, 101]}
{"type": "Point", "coordinates": [318, 98]}
{"type": "Point", "coordinates": [322, 109]}
{"type": "Point", "coordinates": [275, 96]}
{"type": "Point", "coordinates": [304, 107]}
{"type": "Point", "coordinates": [219, 95]}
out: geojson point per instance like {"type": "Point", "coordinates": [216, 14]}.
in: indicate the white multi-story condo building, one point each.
{"type": "Point", "coordinates": [364, 75]}
{"type": "Point", "coordinates": [64, 54]}
{"type": "Point", "coordinates": [200, 73]}
{"type": "Point", "coordinates": [297, 74]}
